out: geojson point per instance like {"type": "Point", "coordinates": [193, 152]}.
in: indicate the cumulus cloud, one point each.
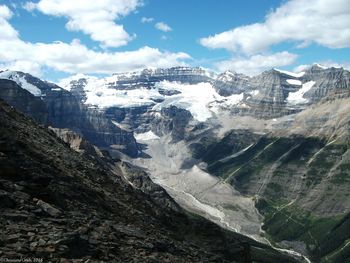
{"type": "Point", "coordinates": [325, 22]}
{"type": "Point", "coordinates": [147, 20]}
{"type": "Point", "coordinates": [163, 27]}
{"type": "Point", "coordinates": [257, 63]}
{"type": "Point", "coordinates": [75, 57]}
{"type": "Point", "coordinates": [23, 65]}
{"type": "Point", "coordinates": [92, 17]}
{"type": "Point", "coordinates": [7, 31]}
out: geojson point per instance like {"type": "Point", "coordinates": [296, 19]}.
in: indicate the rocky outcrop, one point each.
{"type": "Point", "coordinates": [173, 121]}
{"type": "Point", "coordinates": [135, 119]}
{"type": "Point", "coordinates": [140, 180]}
{"type": "Point", "coordinates": [58, 205]}
{"type": "Point", "coordinates": [78, 143]}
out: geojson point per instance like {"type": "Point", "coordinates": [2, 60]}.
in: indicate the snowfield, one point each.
{"type": "Point", "coordinates": [298, 96]}
{"type": "Point", "coordinates": [201, 99]}
{"type": "Point", "coordinates": [147, 136]}
{"type": "Point", "coordinates": [294, 82]}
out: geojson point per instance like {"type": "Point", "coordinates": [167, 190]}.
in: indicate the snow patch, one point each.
{"type": "Point", "coordinates": [105, 97]}
{"type": "Point", "coordinates": [122, 126]}
{"type": "Point", "coordinates": [294, 82]}
{"type": "Point", "coordinates": [293, 74]}
{"type": "Point", "coordinates": [193, 97]}
{"type": "Point", "coordinates": [254, 92]}
{"type": "Point", "coordinates": [298, 96]}
{"type": "Point", "coordinates": [147, 136]}
{"type": "Point", "coordinates": [234, 99]}
{"type": "Point", "coordinates": [320, 66]}
{"type": "Point", "coordinates": [21, 81]}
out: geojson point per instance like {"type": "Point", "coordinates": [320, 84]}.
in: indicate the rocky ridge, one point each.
{"type": "Point", "coordinates": [60, 109]}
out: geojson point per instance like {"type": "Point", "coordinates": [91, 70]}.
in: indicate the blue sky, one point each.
{"type": "Point", "coordinates": [56, 38]}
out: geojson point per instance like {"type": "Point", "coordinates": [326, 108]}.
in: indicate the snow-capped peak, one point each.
{"type": "Point", "coordinates": [20, 79]}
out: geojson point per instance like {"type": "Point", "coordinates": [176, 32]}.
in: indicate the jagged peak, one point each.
{"type": "Point", "coordinates": [317, 66]}
{"type": "Point", "coordinates": [229, 75]}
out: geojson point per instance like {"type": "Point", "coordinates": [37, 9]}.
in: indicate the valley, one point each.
{"type": "Point", "coordinates": [266, 156]}
{"type": "Point", "coordinates": [149, 131]}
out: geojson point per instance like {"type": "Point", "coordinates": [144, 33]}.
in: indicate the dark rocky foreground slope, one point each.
{"type": "Point", "coordinates": [58, 204]}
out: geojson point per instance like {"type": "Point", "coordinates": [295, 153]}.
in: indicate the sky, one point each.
{"type": "Point", "coordinates": [53, 39]}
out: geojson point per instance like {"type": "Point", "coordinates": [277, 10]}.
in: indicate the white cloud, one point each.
{"type": "Point", "coordinates": [163, 27]}
{"type": "Point", "coordinates": [147, 20]}
{"type": "Point", "coordinates": [325, 22]}
{"type": "Point", "coordinates": [29, 6]}
{"type": "Point", "coordinates": [95, 18]}
{"type": "Point", "coordinates": [75, 57]}
{"type": "Point", "coordinates": [7, 31]}
{"type": "Point", "coordinates": [257, 63]}
{"type": "Point", "coordinates": [23, 65]}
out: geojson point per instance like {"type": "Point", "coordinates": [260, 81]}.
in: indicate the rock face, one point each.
{"type": "Point", "coordinates": [78, 143]}
{"type": "Point", "coordinates": [23, 100]}
{"type": "Point", "coordinates": [149, 77]}
{"type": "Point", "coordinates": [59, 205]}
{"type": "Point", "coordinates": [329, 82]}
{"type": "Point", "coordinates": [229, 83]}
{"type": "Point", "coordinates": [174, 121]}
{"type": "Point", "coordinates": [59, 108]}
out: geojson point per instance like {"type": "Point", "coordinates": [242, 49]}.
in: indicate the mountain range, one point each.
{"type": "Point", "coordinates": [265, 158]}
